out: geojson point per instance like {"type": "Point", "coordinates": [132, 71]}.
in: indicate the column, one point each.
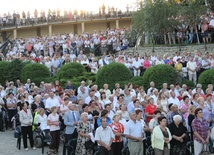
{"type": "Point", "coordinates": [117, 24]}
{"type": "Point", "coordinates": [50, 30]}
{"type": "Point", "coordinates": [15, 33]}
{"type": "Point", "coordinates": [83, 27]}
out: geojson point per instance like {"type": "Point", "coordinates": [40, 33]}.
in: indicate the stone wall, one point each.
{"type": "Point", "coordinates": [173, 49]}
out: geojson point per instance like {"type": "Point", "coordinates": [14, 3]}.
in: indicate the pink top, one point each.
{"type": "Point", "coordinates": [184, 106]}
{"type": "Point", "coordinates": [52, 119]}
{"type": "Point", "coordinates": [146, 64]}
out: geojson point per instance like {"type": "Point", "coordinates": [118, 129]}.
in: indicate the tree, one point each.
{"type": "Point", "coordinates": [210, 4]}
{"type": "Point", "coordinates": [192, 12]}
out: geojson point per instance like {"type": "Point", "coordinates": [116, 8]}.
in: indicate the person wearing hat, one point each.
{"type": "Point", "coordinates": [118, 129]}
{"type": "Point", "coordinates": [134, 133]}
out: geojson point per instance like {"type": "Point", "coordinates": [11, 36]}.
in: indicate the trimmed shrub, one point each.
{"type": "Point", "coordinates": [137, 81]}
{"type": "Point", "coordinates": [206, 77]}
{"type": "Point", "coordinates": [70, 71]}
{"type": "Point", "coordinates": [160, 74]}
{"type": "Point", "coordinates": [112, 73]}
{"type": "Point", "coordinates": [188, 83]}
{"type": "Point", "coordinates": [36, 72]}
{"type": "Point", "coordinates": [15, 68]}
{"type": "Point", "coordinates": [4, 72]}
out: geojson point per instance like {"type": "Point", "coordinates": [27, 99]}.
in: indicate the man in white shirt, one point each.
{"type": "Point", "coordinates": [159, 60]}
{"type": "Point", "coordinates": [152, 86]}
{"type": "Point", "coordinates": [90, 97]}
{"type": "Point", "coordinates": [191, 66]}
{"type": "Point", "coordinates": [173, 99]}
{"type": "Point", "coordinates": [136, 65]}
{"type": "Point", "coordinates": [155, 95]}
{"type": "Point", "coordinates": [104, 137]}
{"type": "Point", "coordinates": [51, 101]}
{"type": "Point", "coordinates": [134, 133]}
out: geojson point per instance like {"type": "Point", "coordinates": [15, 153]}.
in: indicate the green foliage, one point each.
{"type": "Point", "coordinates": [75, 72]}
{"type": "Point", "coordinates": [211, 4]}
{"type": "Point", "coordinates": [4, 71]}
{"type": "Point", "coordinates": [35, 72]}
{"type": "Point", "coordinates": [160, 74]}
{"type": "Point", "coordinates": [188, 83]}
{"type": "Point", "coordinates": [70, 71]}
{"type": "Point", "coordinates": [112, 73]}
{"type": "Point", "coordinates": [206, 77]}
{"type": "Point", "coordinates": [15, 68]}
{"type": "Point", "coordinates": [156, 17]}
{"type": "Point", "coordinates": [137, 81]}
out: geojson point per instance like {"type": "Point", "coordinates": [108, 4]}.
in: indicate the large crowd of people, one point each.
{"type": "Point", "coordinates": [168, 118]}
{"type": "Point", "coordinates": [43, 16]}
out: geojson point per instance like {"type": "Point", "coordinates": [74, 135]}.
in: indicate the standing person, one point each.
{"type": "Point", "coordinates": [192, 67]}
{"type": "Point", "coordinates": [104, 137]}
{"type": "Point", "coordinates": [178, 131]}
{"type": "Point", "coordinates": [154, 121]}
{"type": "Point", "coordinates": [53, 122]}
{"type": "Point", "coordinates": [201, 131]}
{"type": "Point", "coordinates": [118, 130]}
{"type": "Point", "coordinates": [134, 133]}
{"type": "Point", "coordinates": [71, 119]}
{"type": "Point", "coordinates": [161, 138]}
{"type": "Point", "coordinates": [84, 130]}
{"type": "Point", "coordinates": [12, 107]}
{"type": "Point", "coordinates": [149, 110]}
{"type": "Point", "coordinates": [26, 119]}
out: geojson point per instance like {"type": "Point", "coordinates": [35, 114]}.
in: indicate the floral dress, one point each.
{"type": "Point", "coordinates": [86, 129]}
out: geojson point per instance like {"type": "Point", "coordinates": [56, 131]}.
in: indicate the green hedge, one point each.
{"type": "Point", "coordinates": [188, 83]}
{"type": "Point", "coordinates": [36, 72]}
{"type": "Point", "coordinates": [4, 71]}
{"type": "Point", "coordinates": [206, 77]}
{"type": "Point", "coordinates": [75, 72]}
{"type": "Point", "coordinates": [160, 74]}
{"type": "Point", "coordinates": [111, 74]}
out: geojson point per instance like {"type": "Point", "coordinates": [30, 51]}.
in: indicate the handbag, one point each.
{"type": "Point", "coordinates": [89, 145]}
{"type": "Point", "coordinates": [205, 150]}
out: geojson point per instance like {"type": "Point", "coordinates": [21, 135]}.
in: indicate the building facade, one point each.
{"type": "Point", "coordinates": [73, 26]}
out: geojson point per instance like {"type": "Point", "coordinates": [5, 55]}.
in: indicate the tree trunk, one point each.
{"type": "Point", "coordinates": [146, 38]}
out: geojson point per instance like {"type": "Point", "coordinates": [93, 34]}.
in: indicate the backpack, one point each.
{"type": "Point", "coordinates": [17, 132]}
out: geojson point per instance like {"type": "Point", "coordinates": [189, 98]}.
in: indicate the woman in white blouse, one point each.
{"type": "Point", "coordinates": [41, 119]}
{"type": "Point", "coordinates": [26, 119]}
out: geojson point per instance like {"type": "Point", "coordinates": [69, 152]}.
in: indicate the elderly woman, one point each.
{"type": "Point", "coordinates": [53, 122]}
{"type": "Point", "coordinates": [184, 107]}
{"type": "Point", "coordinates": [41, 119]}
{"type": "Point", "coordinates": [205, 109]}
{"type": "Point", "coordinates": [125, 113]}
{"type": "Point", "coordinates": [26, 120]}
{"type": "Point", "coordinates": [154, 121]}
{"type": "Point", "coordinates": [161, 138]}
{"type": "Point", "coordinates": [37, 103]}
{"type": "Point", "coordinates": [178, 131]}
{"type": "Point", "coordinates": [149, 110]}
{"type": "Point", "coordinates": [106, 90]}
{"type": "Point", "coordinates": [201, 131]}
{"type": "Point", "coordinates": [84, 134]}
{"type": "Point", "coordinates": [191, 117]}
{"type": "Point", "coordinates": [118, 129]}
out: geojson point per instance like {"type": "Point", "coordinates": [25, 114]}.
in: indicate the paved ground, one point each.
{"type": "Point", "coordinates": [8, 146]}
